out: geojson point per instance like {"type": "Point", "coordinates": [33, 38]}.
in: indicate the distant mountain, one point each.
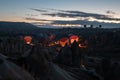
{"type": "Point", "coordinates": [17, 27]}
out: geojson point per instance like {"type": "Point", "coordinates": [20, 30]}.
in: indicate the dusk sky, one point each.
{"type": "Point", "coordinates": [54, 11]}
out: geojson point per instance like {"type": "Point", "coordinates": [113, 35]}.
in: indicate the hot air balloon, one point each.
{"type": "Point", "coordinates": [63, 41]}
{"type": "Point", "coordinates": [73, 38]}
{"type": "Point", "coordinates": [28, 39]}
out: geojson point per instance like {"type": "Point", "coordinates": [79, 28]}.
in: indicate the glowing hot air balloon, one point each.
{"type": "Point", "coordinates": [63, 41]}
{"type": "Point", "coordinates": [73, 38]}
{"type": "Point", "coordinates": [28, 39]}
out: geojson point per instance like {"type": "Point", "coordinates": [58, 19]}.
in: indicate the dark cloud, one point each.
{"type": "Point", "coordinates": [61, 15]}
{"type": "Point", "coordinates": [75, 14]}
{"type": "Point", "coordinates": [110, 12]}
{"type": "Point", "coordinates": [35, 19]}
{"type": "Point", "coordinates": [39, 10]}
{"type": "Point", "coordinates": [71, 22]}
{"type": "Point", "coordinates": [31, 15]}
{"type": "Point", "coordinates": [72, 14]}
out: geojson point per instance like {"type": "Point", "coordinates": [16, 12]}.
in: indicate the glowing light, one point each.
{"type": "Point", "coordinates": [74, 38]}
{"type": "Point", "coordinates": [28, 39]}
{"type": "Point", "coordinates": [27, 42]}
{"type": "Point", "coordinates": [63, 41]}
{"type": "Point", "coordinates": [82, 65]}
{"type": "Point", "coordinates": [82, 46]}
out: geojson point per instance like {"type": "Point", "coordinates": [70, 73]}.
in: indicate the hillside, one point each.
{"type": "Point", "coordinates": [16, 27]}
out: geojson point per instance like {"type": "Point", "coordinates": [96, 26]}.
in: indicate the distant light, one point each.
{"type": "Point", "coordinates": [27, 42]}
{"type": "Point", "coordinates": [28, 39]}
{"type": "Point", "coordinates": [82, 46]}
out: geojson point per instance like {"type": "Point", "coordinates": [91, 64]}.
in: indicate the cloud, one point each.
{"type": "Point", "coordinates": [77, 14]}
{"type": "Point", "coordinates": [62, 17]}
{"type": "Point", "coordinates": [39, 10]}
{"type": "Point", "coordinates": [73, 22]}
{"type": "Point", "coordinates": [80, 22]}
{"type": "Point", "coordinates": [31, 15]}
{"type": "Point", "coordinates": [110, 12]}
{"type": "Point", "coordinates": [35, 19]}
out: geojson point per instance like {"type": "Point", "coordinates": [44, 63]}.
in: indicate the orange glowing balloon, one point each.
{"type": "Point", "coordinates": [63, 41]}
{"type": "Point", "coordinates": [28, 39]}
{"type": "Point", "coordinates": [74, 38]}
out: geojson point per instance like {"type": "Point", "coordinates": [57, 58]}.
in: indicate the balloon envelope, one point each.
{"type": "Point", "coordinates": [74, 38]}
{"type": "Point", "coordinates": [28, 39]}
{"type": "Point", "coordinates": [63, 41]}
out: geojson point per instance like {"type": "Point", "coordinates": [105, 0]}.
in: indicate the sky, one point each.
{"type": "Point", "coordinates": [60, 12]}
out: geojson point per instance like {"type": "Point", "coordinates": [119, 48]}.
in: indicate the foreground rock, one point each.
{"type": "Point", "coordinates": [10, 71]}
